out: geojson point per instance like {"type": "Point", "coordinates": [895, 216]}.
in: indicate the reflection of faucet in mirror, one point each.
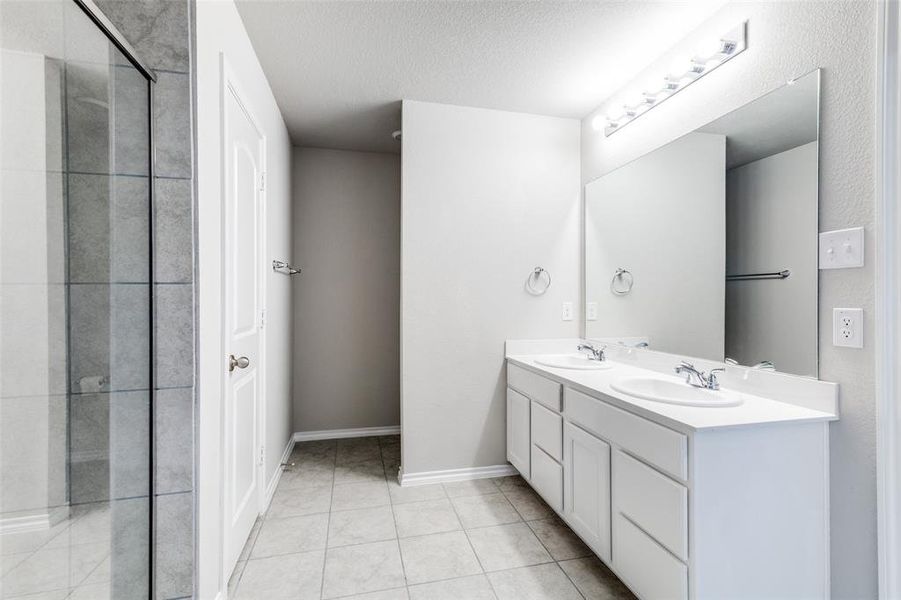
{"type": "Point", "coordinates": [593, 352]}
{"type": "Point", "coordinates": [764, 365]}
{"type": "Point", "coordinates": [699, 379]}
{"type": "Point", "coordinates": [635, 345]}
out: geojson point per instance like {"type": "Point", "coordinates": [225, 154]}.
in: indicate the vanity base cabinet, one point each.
{"type": "Point", "coordinates": [696, 514]}
{"type": "Point", "coordinates": [519, 432]}
{"type": "Point", "coordinates": [586, 488]}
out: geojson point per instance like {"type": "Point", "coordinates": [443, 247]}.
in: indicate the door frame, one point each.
{"type": "Point", "coordinates": [230, 84]}
{"type": "Point", "coordinates": [888, 299]}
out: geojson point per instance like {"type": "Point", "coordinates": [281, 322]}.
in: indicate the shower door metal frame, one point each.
{"type": "Point", "coordinates": [105, 25]}
{"type": "Point", "coordinates": [118, 40]}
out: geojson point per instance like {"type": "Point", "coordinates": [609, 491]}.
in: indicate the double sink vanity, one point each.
{"type": "Point", "coordinates": [693, 494]}
{"type": "Point", "coordinates": [688, 474]}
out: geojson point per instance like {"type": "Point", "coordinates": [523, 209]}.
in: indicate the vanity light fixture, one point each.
{"type": "Point", "coordinates": [684, 71]}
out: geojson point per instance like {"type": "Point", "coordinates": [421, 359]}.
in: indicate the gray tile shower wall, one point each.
{"type": "Point", "coordinates": [162, 33]}
{"type": "Point", "coordinates": [109, 446]}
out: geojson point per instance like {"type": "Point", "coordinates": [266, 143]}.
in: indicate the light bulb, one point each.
{"type": "Point", "coordinates": [681, 65]}
{"type": "Point", "coordinates": [654, 85]}
{"type": "Point", "coordinates": [710, 48]}
{"type": "Point", "coordinates": [635, 101]}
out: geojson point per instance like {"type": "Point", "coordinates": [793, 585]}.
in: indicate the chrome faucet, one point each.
{"type": "Point", "coordinates": [593, 352]}
{"type": "Point", "coordinates": [699, 379]}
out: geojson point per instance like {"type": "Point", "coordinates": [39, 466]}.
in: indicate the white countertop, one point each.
{"type": "Point", "coordinates": [754, 411]}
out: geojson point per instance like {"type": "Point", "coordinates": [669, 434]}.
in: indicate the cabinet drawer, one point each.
{"type": "Point", "coordinates": [651, 572]}
{"type": "Point", "coordinates": [547, 478]}
{"type": "Point", "coordinates": [547, 431]}
{"type": "Point", "coordinates": [536, 387]}
{"type": "Point", "coordinates": [655, 502]}
{"type": "Point", "coordinates": [662, 447]}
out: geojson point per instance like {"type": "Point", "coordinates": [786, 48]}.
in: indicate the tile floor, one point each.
{"type": "Point", "coordinates": [341, 527]}
{"type": "Point", "coordinates": [69, 560]}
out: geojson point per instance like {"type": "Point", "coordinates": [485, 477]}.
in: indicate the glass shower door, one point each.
{"type": "Point", "coordinates": [75, 309]}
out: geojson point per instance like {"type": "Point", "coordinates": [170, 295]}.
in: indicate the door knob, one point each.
{"type": "Point", "coordinates": [237, 363]}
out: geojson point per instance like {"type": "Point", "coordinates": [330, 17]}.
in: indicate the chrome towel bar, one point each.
{"type": "Point", "coordinates": [280, 266]}
{"type": "Point", "coordinates": [755, 276]}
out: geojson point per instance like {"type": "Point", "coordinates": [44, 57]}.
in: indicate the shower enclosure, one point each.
{"type": "Point", "coordinates": [75, 306]}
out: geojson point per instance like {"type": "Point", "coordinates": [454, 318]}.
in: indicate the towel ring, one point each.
{"type": "Point", "coordinates": [624, 276]}
{"type": "Point", "coordinates": [536, 276]}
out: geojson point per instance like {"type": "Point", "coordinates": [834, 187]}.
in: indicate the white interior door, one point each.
{"type": "Point", "coordinates": [242, 186]}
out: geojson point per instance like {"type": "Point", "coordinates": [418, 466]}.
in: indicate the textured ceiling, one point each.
{"type": "Point", "coordinates": [339, 69]}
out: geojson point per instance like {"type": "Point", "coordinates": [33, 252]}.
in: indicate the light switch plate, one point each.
{"type": "Point", "coordinates": [847, 327]}
{"type": "Point", "coordinates": [842, 249]}
{"type": "Point", "coordinates": [567, 313]}
{"type": "Point", "coordinates": [591, 311]}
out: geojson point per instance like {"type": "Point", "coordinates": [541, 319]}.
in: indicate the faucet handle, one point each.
{"type": "Point", "coordinates": [712, 382]}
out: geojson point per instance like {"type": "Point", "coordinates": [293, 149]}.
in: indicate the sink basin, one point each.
{"type": "Point", "coordinates": [573, 361]}
{"type": "Point", "coordinates": [671, 391]}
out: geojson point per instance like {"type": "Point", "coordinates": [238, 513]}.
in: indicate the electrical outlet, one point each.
{"type": "Point", "coordinates": [847, 327]}
{"type": "Point", "coordinates": [591, 311]}
{"type": "Point", "coordinates": [567, 311]}
{"type": "Point", "coordinates": [841, 249]}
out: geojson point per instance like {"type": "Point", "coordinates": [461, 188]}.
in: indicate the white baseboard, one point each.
{"type": "Point", "coordinates": [331, 434]}
{"type": "Point", "coordinates": [34, 522]}
{"type": "Point", "coordinates": [276, 477]}
{"type": "Point", "coordinates": [450, 475]}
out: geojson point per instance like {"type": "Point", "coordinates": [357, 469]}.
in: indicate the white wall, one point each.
{"type": "Point", "coordinates": [787, 39]}
{"type": "Point", "coordinates": [220, 31]}
{"type": "Point", "coordinates": [33, 304]}
{"type": "Point", "coordinates": [663, 218]}
{"type": "Point", "coordinates": [486, 196]}
{"type": "Point", "coordinates": [346, 302]}
{"type": "Point", "coordinates": [771, 217]}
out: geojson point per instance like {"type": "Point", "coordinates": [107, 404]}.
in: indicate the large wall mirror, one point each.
{"type": "Point", "coordinates": [707, 247]}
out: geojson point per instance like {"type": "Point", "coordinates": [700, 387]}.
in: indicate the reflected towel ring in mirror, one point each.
{"type": "Point", "coordinates": [622, 281]}
{"type": "Point", "coordinates": [536, 277]}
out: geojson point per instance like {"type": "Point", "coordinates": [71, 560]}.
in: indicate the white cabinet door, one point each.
{"type": "Point", "coordinates": [518, 432]}
{"type": "Point", "coordinates": [586, 492]}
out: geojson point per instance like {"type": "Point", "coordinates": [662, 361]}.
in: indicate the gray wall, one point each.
{"type": "Point", "coordinates": [161, 32]}
{"type": "Point", "coordinates": [788, 39]}
{"type": "Point", "coordinates": [771, 224]}
{"type": "Point", "coordinates": [346, 302]}
{"type": "Point", "coordinates": [487, 196]}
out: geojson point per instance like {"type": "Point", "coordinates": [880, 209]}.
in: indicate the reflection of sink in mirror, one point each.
{"type": "Point", "coordinates": [573, 361]}
{"type": "Point", "coordinates": [674, 392]}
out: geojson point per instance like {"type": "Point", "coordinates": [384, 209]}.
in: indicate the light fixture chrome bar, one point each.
{"type": "Point", "coordinates": [683, 74]}
{"type": "Point", "coordinates": [101, 20]}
